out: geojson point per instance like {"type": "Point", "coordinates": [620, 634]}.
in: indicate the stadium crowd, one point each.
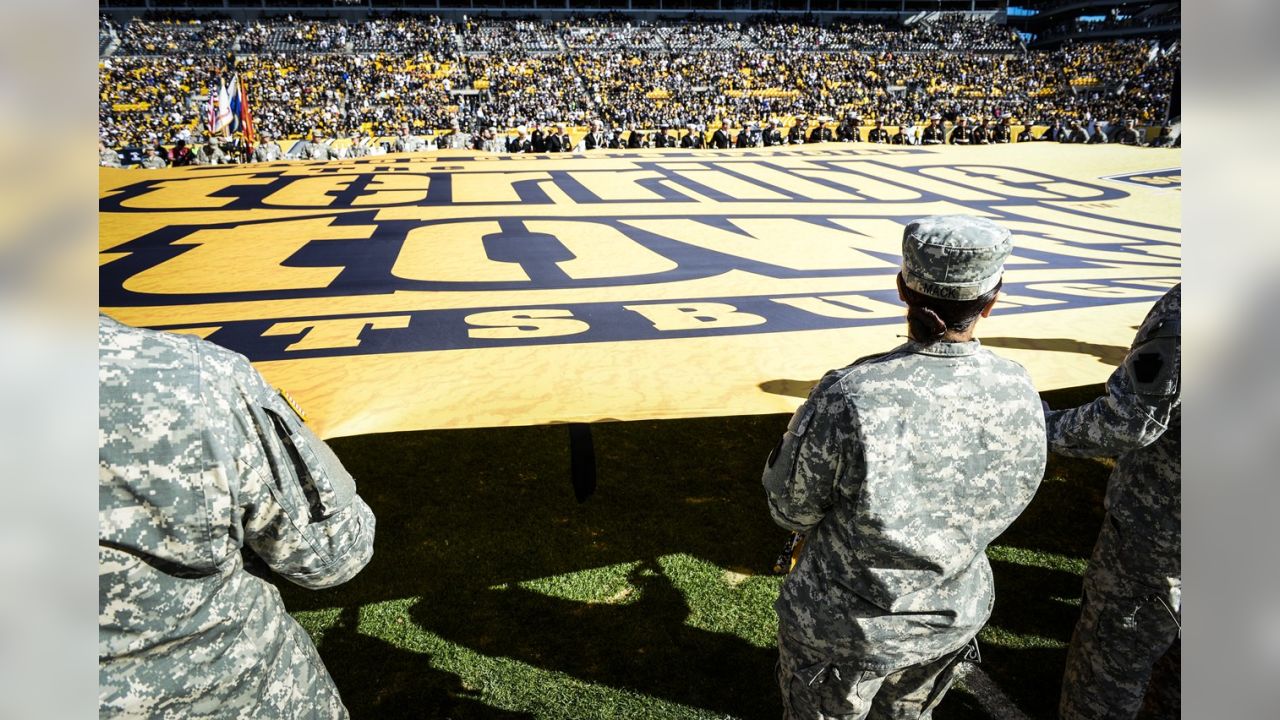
{"type": "Point", "coordinates": [376, 76]}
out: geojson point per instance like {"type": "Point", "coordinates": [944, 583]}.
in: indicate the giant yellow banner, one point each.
{"type": "Point", "coordinates": [455, 289]}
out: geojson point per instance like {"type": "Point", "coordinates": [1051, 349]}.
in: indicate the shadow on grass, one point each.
{"type": "Point", "coordinates": [379, 680]}
{"type": "Point", "coordinates": [644, 646]}
{"type": "Point", "coordinates": [465, 516]}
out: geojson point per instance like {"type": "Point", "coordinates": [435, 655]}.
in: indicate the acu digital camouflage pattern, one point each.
{"type": "Point", "coordinates": [198, 459]}
{"type": "Point", "coordinates": [901, 468]}
{"type": "Point", "coordinates": [954, 257]}
{"type": "Point", "coordinates": [1131, 615]}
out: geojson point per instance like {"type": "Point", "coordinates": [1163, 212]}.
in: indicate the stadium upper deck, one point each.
{"type": "Point", "coordinates": [375, 75]}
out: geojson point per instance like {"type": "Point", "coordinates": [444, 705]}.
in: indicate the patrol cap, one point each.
{"type": "Point", "coordinates": [954, 257]}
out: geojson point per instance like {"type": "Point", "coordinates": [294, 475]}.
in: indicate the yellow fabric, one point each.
{"type": "Point", "coordinates": [457, 289]}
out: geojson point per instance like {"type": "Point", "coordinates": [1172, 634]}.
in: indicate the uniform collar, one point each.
{"type": "Point", "coordinates": [943, 349]}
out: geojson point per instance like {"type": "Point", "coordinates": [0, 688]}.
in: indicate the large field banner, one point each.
{"type": "Point", "coordinates": [454, 289]}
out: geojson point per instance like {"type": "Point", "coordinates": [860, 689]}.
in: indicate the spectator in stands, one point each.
{"type": "Point", "coordinates": [404, 71]}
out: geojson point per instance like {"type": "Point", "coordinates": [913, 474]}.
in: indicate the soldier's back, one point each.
{"type": "Point", "coordinates": [183, 630]}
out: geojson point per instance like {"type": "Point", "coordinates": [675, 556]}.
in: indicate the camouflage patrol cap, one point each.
{"type": "Point", "coordinates": [954, 257]}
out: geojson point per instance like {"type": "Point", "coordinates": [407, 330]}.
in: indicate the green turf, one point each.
{"type": "Point", "coordinates": [494, 594]}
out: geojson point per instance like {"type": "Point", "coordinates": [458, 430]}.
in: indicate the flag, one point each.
{"type": "Point", "coordinates": [234, 104]}
{"type": "Point", "coordinates": [223, 122]}
{"type": "Point", "coordinates": [244, 114]}
{"type": "Point", "coordinates": [211, 111]}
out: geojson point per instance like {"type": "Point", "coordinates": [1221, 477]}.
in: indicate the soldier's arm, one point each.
{"type": "Point", "coordinates": [802, 472]}
{"type": "Point", "coordinates": [296, 504]}
{"type": "Point", "coordinates": [1143, 394]}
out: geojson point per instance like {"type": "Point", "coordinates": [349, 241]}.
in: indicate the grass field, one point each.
{"type": "Point", "coordinates": [494, 594]}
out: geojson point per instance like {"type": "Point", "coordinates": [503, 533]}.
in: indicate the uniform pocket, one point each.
{"type": "Point", "coordinates": [325, 483]}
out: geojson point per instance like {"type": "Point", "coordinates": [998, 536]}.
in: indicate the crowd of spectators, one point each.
{"type": "Point", "coordinates": [429, 73]}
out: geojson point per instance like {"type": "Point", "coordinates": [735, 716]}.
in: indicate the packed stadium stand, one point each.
{"type": "Point", "coordinates": [372, 73]}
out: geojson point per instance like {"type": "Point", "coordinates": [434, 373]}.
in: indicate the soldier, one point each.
{"type": "Point", "coordinates": [406, 142]}
{"type": "Point", "coordinates": [907, 134]}
{"type": "Point", "coordinates": [520, 143]}
{"type": "Point", "coordinates": [849, 130]}
{"type": "Point", "coordinates": [693, 139]}
{"type": "Point", "coordinates": [314, 148]}
{"type": "Point", "coordinates": [1001, 133]}
{"type": "Point", "coordinates": [201, 463]}
{"type": "Point", "coordinates": [359, 146]}
{"type": "Point", "coordinates": [770, 135]}
{"type": "Point", "coordinates": [821, 133]}
{"type": "Point", "coordinates": [209, 153]}
{"type": "Point", "coordinates": [557, 140]}
{"type": "Point", "coordinates": [152, 161]}
{"type": "Point", "coordinates": [961, 134]}
{"type": "Point", "coordinates": [901, 468]}
{"type": "Point", "coordinates": [1128, 135]}
{"type": "Point", "coordinates": [1127, 644]}
{"type": "Point", "coordinates": [267, 150]}
{"type": "Point", "coordinates": [878, 134]}
{"type": "Point", "coordinates": [594, 139]}
{"type": "Point", "coordinates": [720, 138]}
{"type": "Point", "coordinates": [107, 157]}
{"type": "Point", "coordinates": [934, 133]}
{"type": "Point", "coordinates": [795, 135]}
{"type": "Point", "coordinates": [1074, 134]}
{"type": "Point", "coordinates": [981, 133]}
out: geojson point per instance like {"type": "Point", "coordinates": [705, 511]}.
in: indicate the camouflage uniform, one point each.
{"type": "Point", "coordinates": [154, 162]}
{"type": "Point", "coordinates": [1131, 617]}
{"type": "Point", "coordinates": [408, 143]}
{"type": "Point", "coordinates": [312, 150]}
{"type": "Point", "coordinates": [901, 468]}
{"type": "Point", "coordinates": [266, 152]}
{"type": "Point", "coordinates": [211, 154]}
{"type": "Point", "coordinates": [108, 158]}
{"type": "Point", "coordinates": [199, 460]}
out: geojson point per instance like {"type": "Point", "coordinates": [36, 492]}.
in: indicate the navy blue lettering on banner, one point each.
{"type": "Point", "coordinates": [343, 232]}
{"type": "Point", "coordinates": [1167, 179]}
